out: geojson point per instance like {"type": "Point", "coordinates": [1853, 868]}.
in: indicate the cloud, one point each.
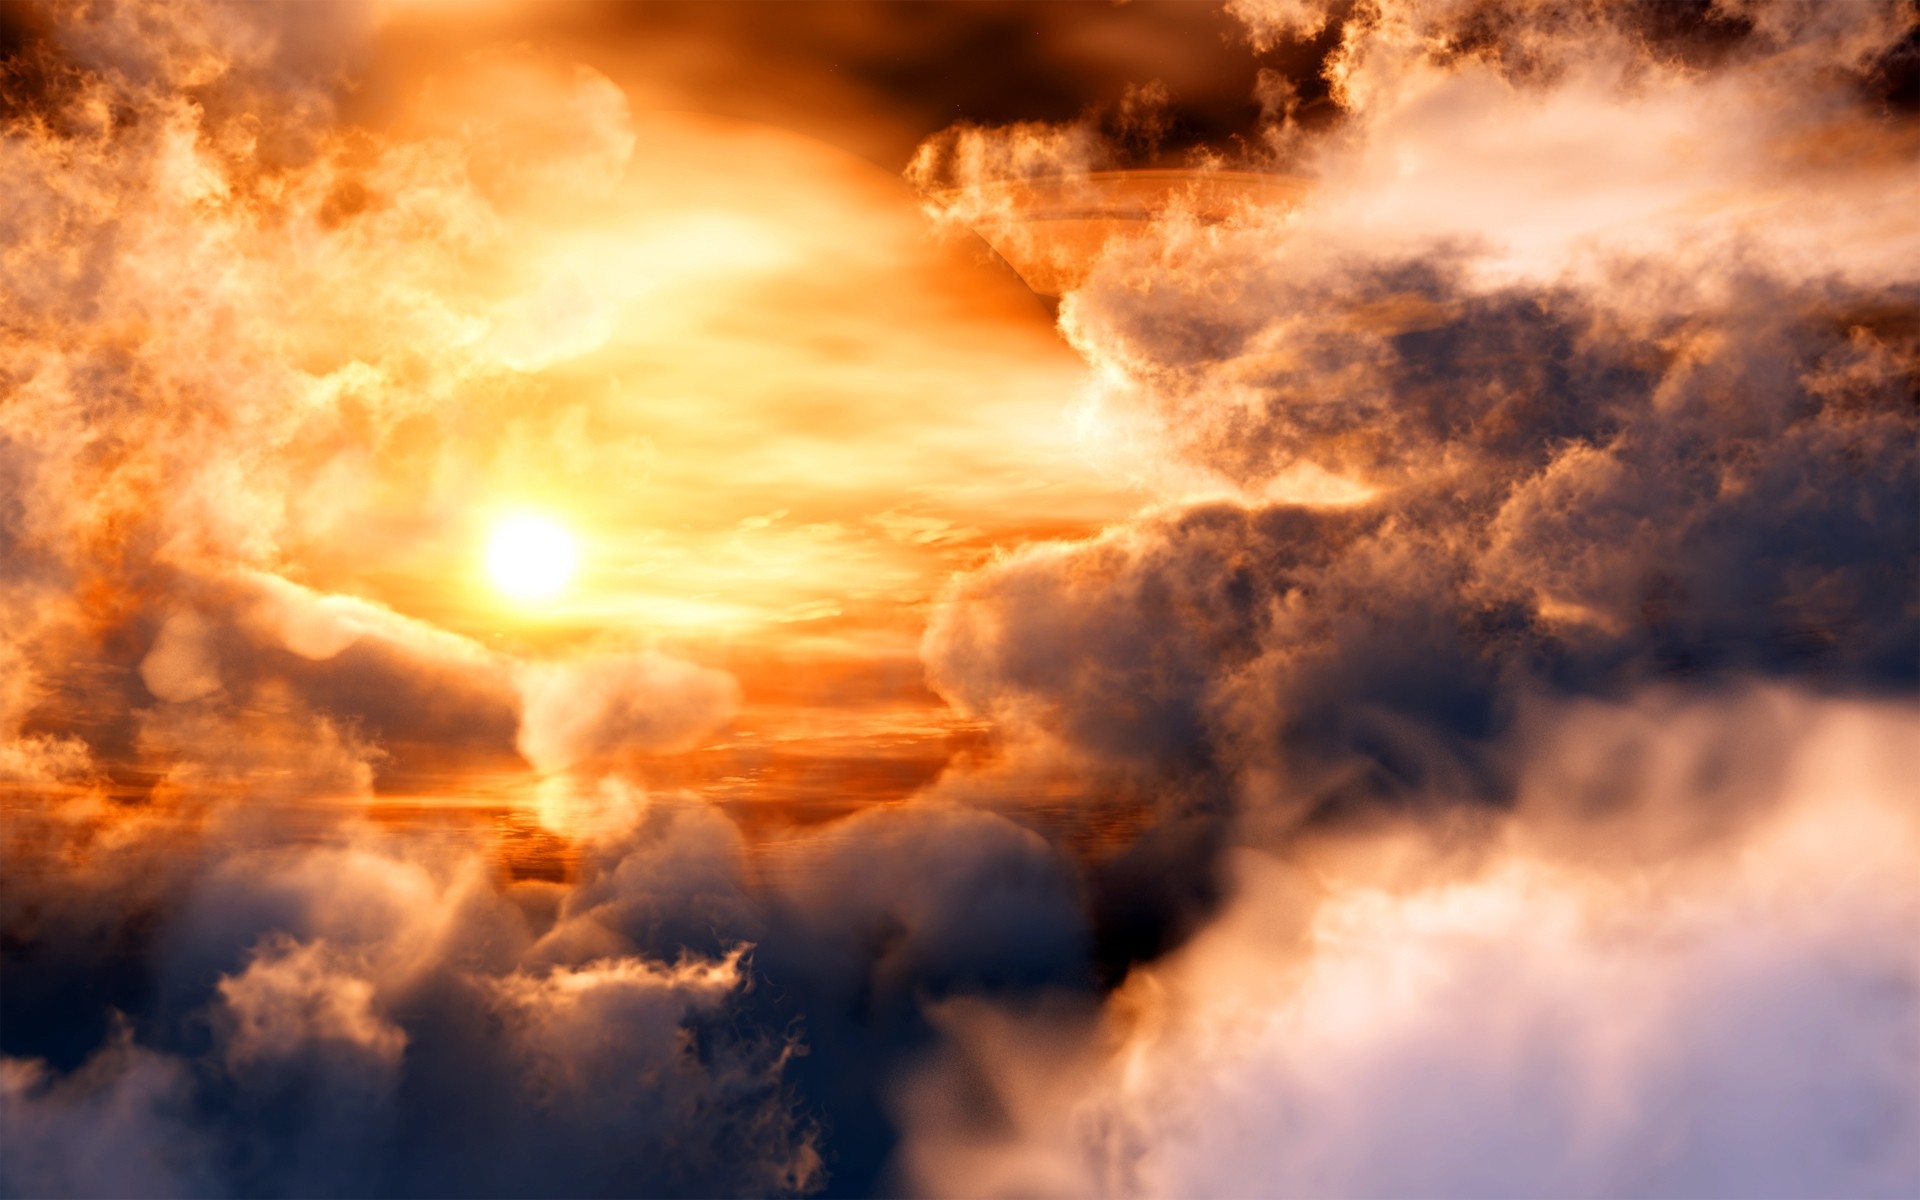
{"type": "Point", "coordinates": [1576, 462]}
{"type": "Point", "coordinates": [1272, 21]}
{"type": "Point", "coordinates": [271, 354]}
{"type": "Point", "coordinates": [581, 1028]}
{"type": "Point", "coordinates": [176, 669]}
{"type": "Point", "coordinates": [1379, 1020]}
{"type": "Point", "coordinates": [374, 1004]}
{"type": "Point", "coordinates": [291, 996]}
{"type": "Point", "coordinates": [873, 919]}
{"type": "Point", "coordinates": [594, 708]}
{"type": "Point", "coordinates": [931, 900]}
{"type": "Point", "coordinates": [120, 1127]}
{"type": "Point", "coordinates": [1474, 768]}
{"type": "Point", "coordinates": [177, 449]}
{"type": "Point", "coordinates": [1518, 889]}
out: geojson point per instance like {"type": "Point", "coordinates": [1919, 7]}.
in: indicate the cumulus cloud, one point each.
{"type": "Point", "coordinates": [1577, 460]}
{"type": "Point", "coordinates": [1580, 376]}
{"type": "Point", "coordinates": [1723, 1017]}
{"type": "Point", "coordinates": [292, 996]}
{"type": "Point", "coordinates": [1563, 503]}
{"type": "Point", "coordinates": [374, 1004]}
{"type": "Point", "coordinates": [1475, 770]}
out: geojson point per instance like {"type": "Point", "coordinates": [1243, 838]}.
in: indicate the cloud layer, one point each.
{"type": "Point", "coordinates": [1517, 1013]}
{"type": "Point", "coordinates": [1476, 766]}
{"type": "Point", "coordinates": [1582, 369]}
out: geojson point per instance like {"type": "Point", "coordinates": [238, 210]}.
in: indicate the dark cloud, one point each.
{"type": "Point", "coordinates": [373, 1015]}
{"type": "Point", "coordinates": [1571, 499]}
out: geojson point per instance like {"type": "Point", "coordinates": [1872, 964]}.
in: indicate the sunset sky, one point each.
{"type": "Point", "coordinates": [1297, 598]}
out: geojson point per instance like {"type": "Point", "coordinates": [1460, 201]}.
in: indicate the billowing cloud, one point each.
{"type": "Point", "coordinates": [1421, 648]}
{"type": "Point", "coordinates": [1571, 457]}
{"type": "Point", "coordinates": [1509, 1015]}
{"type": "Point", "coordinates": [1579, 371]}
{"type": "Point", "coordinates": [372, 1006]}
{"type": "Point", "coordinates": [291, 996]}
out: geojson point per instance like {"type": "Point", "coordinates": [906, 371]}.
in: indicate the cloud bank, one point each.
{"type": "Point", "coordinates": [1592, 995]}
{"type": "Point", "coordinates": [1523, 645]}
{"type": "Point", "coordinates": [1478, 768]}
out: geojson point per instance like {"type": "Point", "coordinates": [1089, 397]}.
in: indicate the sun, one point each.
{"type": "Point", "coordinates": [530, 557]}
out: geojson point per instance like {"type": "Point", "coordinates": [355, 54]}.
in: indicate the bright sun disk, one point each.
{"type": "Point", "coordinates": [530, 558]}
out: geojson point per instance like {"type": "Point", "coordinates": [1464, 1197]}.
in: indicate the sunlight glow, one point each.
{"type": "Point", "coordinates": [530, 557]}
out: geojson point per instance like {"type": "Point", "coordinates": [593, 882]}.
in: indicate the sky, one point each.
{"type": "Point", "coordinates": [1282, 598]}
